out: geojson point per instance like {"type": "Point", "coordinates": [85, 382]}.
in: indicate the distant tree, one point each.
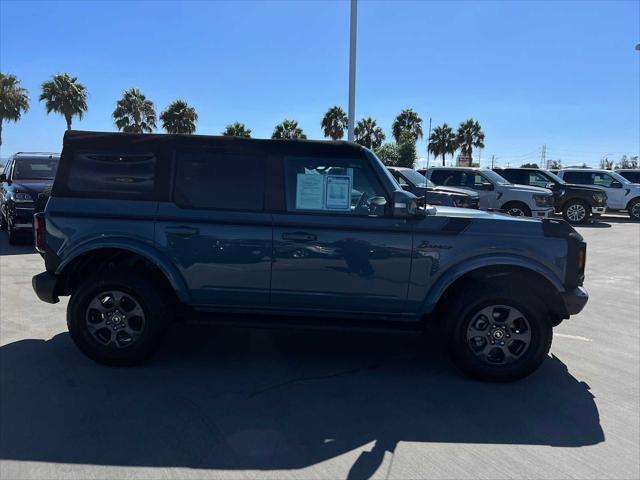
{"type": "Point", "coordinates": [14, 100]}
{"type": "Point", "coordinates": [237, 129]}
{"type": "Point", "coordinates": [407, 121]}
{"type": "Point", "coordinates": [368, 133]}
{"type": "Point", "coordinates": [179, 117]}
{"type": "Point", "coordinates": [442, 141]}
{"type": "Point", "coordinates": [134, 113]}
{"type": "Point", "coordinates": [334, 123]}
{"type": "Point", "coordinates": [626, 162]}
{"type": "Point", "coordinates": [529, 165]}
{"type": "Point", "coordinates": [63, 94]}
{"type": "Point", "coordinates": [606, 163]}
{"type": "Point", "coordinates": [470, 136]}
{"type": "Point", "coordinates": [288, 130]}
{"type": "Point", "coordinates": [388, 154]}
{"type": "Point", "coordinates": [555, 164]}
{"type": "Point", "coordinates": [407, 154]}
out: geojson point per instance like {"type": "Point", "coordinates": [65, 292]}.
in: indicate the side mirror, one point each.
{"type": "Point", "coordinates": [486, 186]}
{"type": "Point", "coordinates": [550, 185]}
{"type": "Point", "coordinates": [3, 177]}
{"type": "Point", "coordinates": [405, 204]}
{"type": "Point", "coordinates": [616, 184]}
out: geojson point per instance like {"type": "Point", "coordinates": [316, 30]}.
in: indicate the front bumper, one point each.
{"type": "Point", "coordinates": [22, 217]}
{"type": "Point", "coordinates": [543, 213]}
{"type": "Point", "coordinates": [575, 300]}
{"type": "Point", "coordinates": [44, 284]}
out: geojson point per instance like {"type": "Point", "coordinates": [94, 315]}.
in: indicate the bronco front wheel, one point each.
{"type": "Point", "coordinates": [118, 317]}
{"type": "Point", "coordinates": [498, 335]}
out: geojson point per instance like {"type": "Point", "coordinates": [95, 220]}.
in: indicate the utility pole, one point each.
{"type": "Point", "coordinates": [493, 161]}
{"type": "Point", "coordinates": [352, 69]}
{"type": "Point", "coordinates": [543, 157]}
{"type": "Point", "coordinates": [428, 142]}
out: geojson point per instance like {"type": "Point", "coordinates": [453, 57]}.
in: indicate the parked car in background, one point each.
{"type": "Point", "coordinates": [141, 227]}
{"type": "Point", "coordinates": [24, 178]}
{"type": "Point", "coordinates": [631, 174]}
{"type": "Point", "coordinates": [496, 192]}
{"type": "Point", "coordinates": [577, 203]}
{"type": "Point", "coordinates": [432, 194]}
{"type": "Point", "coordinates": [621, 193]}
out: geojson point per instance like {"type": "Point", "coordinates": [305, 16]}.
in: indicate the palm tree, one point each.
{"type": "Point", "coordinates": [134, 113]}
{"type": "Point", "coordinates": [408, 121]}
{"type": "Point", "coordinates": [237, 129]}
{"type": "Point", "coordinates": [288, 129]}
{"type": "Point", "coordinates": [179, 117]}
{"type": "Point", "coordinates": [14, 100]}
{"type": "Point", "coordinates": [334, 123]}
{"type": "Point", "coordinates": [368, 133]}
{"type": "Point", "coordinates": [470, 135]}
{"type": "Point", "coordinates": [442, 141]}
{"type": "Point", "coordinates": [65, 95]}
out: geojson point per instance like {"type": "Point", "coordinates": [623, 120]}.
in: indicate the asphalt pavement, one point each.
{"type": "Point", "coordinates": [234, 404]}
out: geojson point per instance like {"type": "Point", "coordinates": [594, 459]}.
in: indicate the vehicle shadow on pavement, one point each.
{"type": "Point", "coordinates": [23, 248]}
{"type": "Point", "coordinates": [225, 398]}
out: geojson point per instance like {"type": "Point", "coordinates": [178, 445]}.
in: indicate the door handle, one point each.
{"type": "Point", "coordinates": [183, 231]}
{"type": "Point", "coordinates": [299, 237]}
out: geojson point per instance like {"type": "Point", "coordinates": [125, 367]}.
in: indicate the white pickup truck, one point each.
{"type": "Point", "coordinates": [621, 193]}
{"type": "Point", "coordinates": [496, 192]}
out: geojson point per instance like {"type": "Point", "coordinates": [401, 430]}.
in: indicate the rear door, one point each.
{"type": "Point", "coordinates": [215, 229]}
{"type": "Point", "coordinates": [468, 179]}
{"type": "Point", "coordinates": [335, 247]}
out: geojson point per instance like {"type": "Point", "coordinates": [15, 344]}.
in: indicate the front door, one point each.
{"type": "Point", "coordinates": [335, 248]}
{"type": "Point", "coordinates": [615, 193]}
{"type": "Point", "coordinates": [216, 230]}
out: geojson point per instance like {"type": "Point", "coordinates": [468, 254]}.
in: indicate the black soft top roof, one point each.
{"type": "Point", "coordinates": [77, 139]}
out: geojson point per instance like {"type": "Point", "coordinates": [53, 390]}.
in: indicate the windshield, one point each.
{"type": "Point", "coordinates": [417, 179]}
{"type": "Point", "coordinates": [554, 177]}
{"type": "Point", "coordinates": [35, 169]}
{"type": "Point", "coordinates": [494, 177]}
{"type": "Point", "coordinates": [619, 177]}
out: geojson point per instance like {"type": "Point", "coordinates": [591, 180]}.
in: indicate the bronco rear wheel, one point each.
{"type": "Point", "coordinates": [118, 317]}
{"type": "Point", "coordinates": [497, 334]}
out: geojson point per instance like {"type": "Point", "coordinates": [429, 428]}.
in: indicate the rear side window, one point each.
{"type": "Point", "coordinates": [445, 177]}
{"type": "Point", "coordinates": [113, 174]}
{"type": "Point", "coordinates": [219, 181]}
{"type": "Point", "coordinates": [582, 178]}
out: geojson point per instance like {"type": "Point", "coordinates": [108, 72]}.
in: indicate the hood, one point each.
{"type": "Point", "coordinates": [32, 187]}
{"type": "Point", "coordinates": [459, 191]}
{"type": "Point", "coordinates": [527, 188]}
{"type": "Point", "coordinates": [473, 213]}
{"type": "Point", "coordinates": [582, 188]}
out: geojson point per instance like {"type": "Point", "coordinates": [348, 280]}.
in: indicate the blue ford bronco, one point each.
{"type": "Point", "coordinates": [142, 229]}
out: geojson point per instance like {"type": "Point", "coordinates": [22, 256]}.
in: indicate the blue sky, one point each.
{"type": "Point", "coordinates": [564, 74]}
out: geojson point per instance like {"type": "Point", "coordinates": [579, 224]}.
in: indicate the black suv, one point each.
{"type": "Point", "coordinates": [576, 202]}
{"type": "Point", "coordinates": [25, 177]}
{"type": "Point", "coordinates": [431, 194]}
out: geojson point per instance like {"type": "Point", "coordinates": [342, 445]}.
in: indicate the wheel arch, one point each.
{"type": "Point", "coordinates": [511, 270]}
{"type": "Point", "coordinates": [101, 253]}
{"type": "Point", "coordinates": [631, 201]}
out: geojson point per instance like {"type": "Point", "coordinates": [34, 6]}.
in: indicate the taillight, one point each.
{"type": "Point", "coordinates": [582, 258]}
{"type": "Point", "coordinates": [39, 232]}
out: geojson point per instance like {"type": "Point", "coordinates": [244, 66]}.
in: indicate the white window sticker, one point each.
{"type": "Point", "coordinates": [309, 191]}
{"type": "Point", "coordinates": [338, 196]}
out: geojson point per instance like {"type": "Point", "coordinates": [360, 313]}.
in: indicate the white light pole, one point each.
{"type": "Point", "coordinates": [352, 69]}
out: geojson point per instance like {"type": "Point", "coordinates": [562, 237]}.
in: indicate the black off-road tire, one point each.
{"type": "Point", "coordinates": [520, 206]}
{"type": "Point", "coordinates": [3, 222]}
{"type": "Point", "coordinates": [634, 209]}
{"type": "Point", "coordinates": [151, 296]}
{"type": "Point", "coordinates": [573, 208]}
{"type": "Point", "coordinates": [468, 302]}
{"type": "Point", "coordinates": [14, 236]}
